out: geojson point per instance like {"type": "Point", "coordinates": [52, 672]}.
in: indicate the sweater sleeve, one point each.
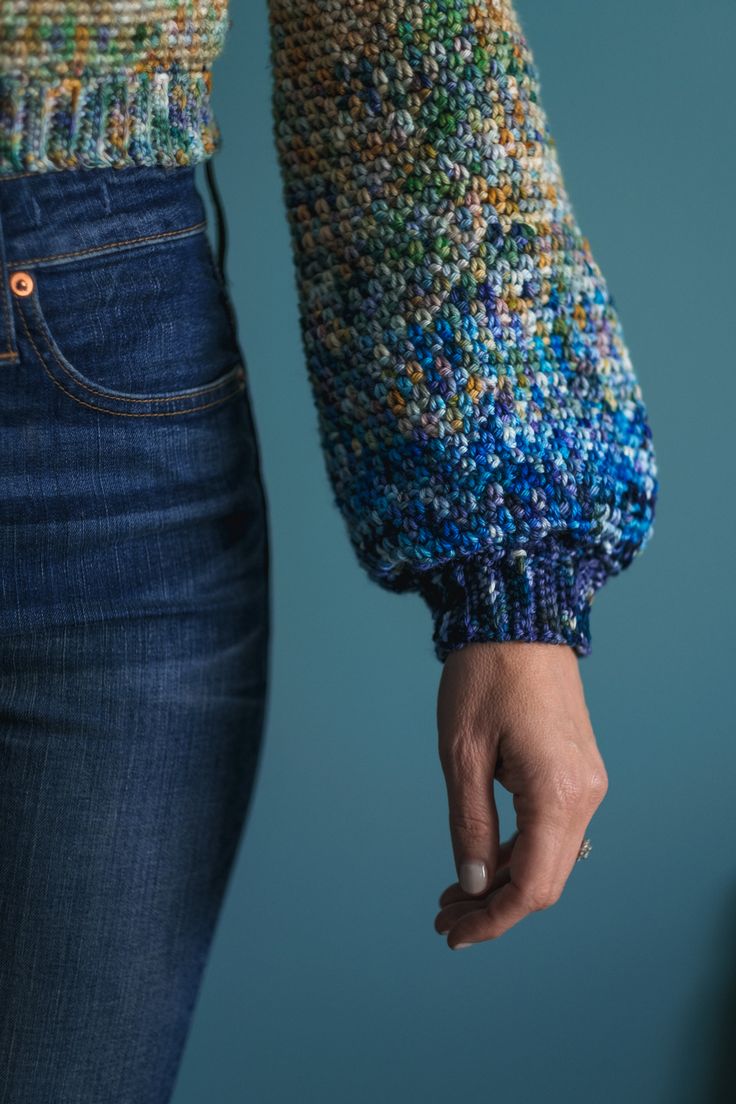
{"type": "Point", "coordinates": [484, 433]}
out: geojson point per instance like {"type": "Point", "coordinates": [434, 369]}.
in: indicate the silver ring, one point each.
{"type": "Point", "coordinates": [585, 848]}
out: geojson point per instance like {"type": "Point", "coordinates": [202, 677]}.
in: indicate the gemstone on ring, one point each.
{"type": "Point", "coordinates": [585, 848]}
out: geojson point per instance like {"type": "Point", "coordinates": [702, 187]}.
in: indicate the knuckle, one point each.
{"type": "Point", "coordinates": [468, 823]}
{"type": "Point", "coordinates": [550, 898]}
{"type": "Point", "coordinates": [576, 786]}
{"type": "Point", "coordinates": [538, 898]}
{"type": "Point", "coordinates": [598, 784]}
{"type": "Point", "coordinates": [569, 789]}
{"type": "Point", "coordinates": [459, 756]}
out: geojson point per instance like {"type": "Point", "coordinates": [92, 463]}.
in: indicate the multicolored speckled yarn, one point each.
{"type": "Point", "coordinates": [92, 83]}
{"type": "Point", "coordinates": [484, 431]}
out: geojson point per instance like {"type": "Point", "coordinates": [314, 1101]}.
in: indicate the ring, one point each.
{"type": "Point", "coordinates": [585, 848]}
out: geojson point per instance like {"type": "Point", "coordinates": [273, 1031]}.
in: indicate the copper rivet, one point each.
{"type": "Point", "coordinates": [21, 283]}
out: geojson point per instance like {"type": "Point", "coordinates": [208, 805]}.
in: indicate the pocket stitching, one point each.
{"type": "Point", "coordinates": [80, 381]}
{"type": "Point", "coordinates": [118, 246]}
{"type": "Point", "coordinates": [125, 413]}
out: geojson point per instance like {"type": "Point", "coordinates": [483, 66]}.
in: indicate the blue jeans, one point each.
{"type": "Point", "coordinates": [134, 626]}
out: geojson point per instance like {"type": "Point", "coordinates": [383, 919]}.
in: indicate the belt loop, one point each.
{"type": "Point", "coordinates": [220, 216]}
{"type": "Point", "coordinates": [8, 348]}
{"type": "Point", "coordinates": [221, 243]}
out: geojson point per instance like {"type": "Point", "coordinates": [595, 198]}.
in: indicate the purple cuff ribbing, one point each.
{"type": "Point", "coordinates": [542, 595]}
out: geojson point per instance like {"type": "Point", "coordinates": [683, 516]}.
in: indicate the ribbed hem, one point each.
{"type": "Point", "coordinates": [118, 119]}
{"type": "Point", "coordinates": [543, 595]}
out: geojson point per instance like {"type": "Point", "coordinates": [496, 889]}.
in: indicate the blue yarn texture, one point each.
{"type": "Point", "coordinates": [485, 434]}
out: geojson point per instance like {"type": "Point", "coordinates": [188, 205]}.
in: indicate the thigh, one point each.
{"type": "Point", "coordinates": [128, 751]}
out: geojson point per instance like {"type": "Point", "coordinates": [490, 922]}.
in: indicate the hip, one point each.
{"type": "Point", "coordinates": [130, 472]}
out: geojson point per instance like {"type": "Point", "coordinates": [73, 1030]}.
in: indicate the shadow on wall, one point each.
{"type": "Point", "coordinates": [705, 1066]}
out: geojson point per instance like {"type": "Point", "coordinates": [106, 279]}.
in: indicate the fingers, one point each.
{"type": "Point", "coordinates": [473, 815]}
{"type": "Point", "coordinates": [456, 893]}
{"type": "Point", "coordinates": [454, 910]}
{"type": "Point", "coordinates": [540, 864]}
{"type": "Point", "coordinates": [515, 714]}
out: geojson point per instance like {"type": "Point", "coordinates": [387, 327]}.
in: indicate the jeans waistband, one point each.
{"type": "Point", "coordinates": [49, 218]}
{"type": "Point", "coordinates": [61, 213]}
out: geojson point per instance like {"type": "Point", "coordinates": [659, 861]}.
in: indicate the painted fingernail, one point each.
{"type": "Point", "coordinates": [461, 946]}
{"type": "Point", "coordinates": [444, 931]}
{"type": "Point", "coordinates": [473, 876]}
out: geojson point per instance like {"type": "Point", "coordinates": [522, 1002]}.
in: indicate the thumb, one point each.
{"type": "Point", "coordinates": [474, 826]}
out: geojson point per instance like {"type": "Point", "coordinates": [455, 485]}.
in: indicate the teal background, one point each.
{"type": "Point", "coordinates": [326, 981]}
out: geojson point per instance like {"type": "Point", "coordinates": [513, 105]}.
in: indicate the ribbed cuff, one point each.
{"type": "Point", "coordinates": [543, 595]}
{"type": "Point", "coordinates": [117, 119]}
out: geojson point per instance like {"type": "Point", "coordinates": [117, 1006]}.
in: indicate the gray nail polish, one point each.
{"type": "Point", "coordinates": [461, 946]}
{"type": "Point", "coordinates": [473, 876]}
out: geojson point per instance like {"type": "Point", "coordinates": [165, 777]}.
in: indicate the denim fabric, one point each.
{"type": "Point", "coordinates": [134, 626]}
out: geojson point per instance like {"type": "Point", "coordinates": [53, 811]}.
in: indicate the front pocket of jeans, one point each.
{"type": "Point", "coordinates": [142, 331]}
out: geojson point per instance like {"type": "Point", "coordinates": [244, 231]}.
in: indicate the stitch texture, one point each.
{"type": "Point", "coordinates": [93, 83]}
{"type": "Point", "coordinates": [484, 432]}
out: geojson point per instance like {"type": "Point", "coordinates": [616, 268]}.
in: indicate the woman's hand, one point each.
{"type": "Point", "coordinates": [516, 712]}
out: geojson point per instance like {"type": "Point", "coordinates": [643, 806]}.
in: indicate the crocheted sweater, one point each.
{"type": "Point", "coordinates": [484, 432]}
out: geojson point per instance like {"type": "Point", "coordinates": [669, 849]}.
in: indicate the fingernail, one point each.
{"type": "Point", "coordinates": [461, 946]}
{"type": "Point", "coordinates": [473, 876]}
{"type": "Point", "coordinates": [444, 931]}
